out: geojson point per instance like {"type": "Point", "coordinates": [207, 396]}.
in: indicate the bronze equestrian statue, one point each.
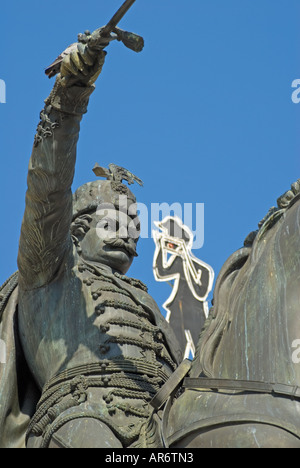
{"type": "Point", "coordinates": [90, 361]}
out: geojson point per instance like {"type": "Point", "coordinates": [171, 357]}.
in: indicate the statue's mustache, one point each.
{"type": "Point", "coordinates": [120, 243]}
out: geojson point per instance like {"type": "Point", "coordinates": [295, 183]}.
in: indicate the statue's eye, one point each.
{"type": "Point", "coordinates": [108, 225]}
{"type": "Point", "coordinates": [103, 224]}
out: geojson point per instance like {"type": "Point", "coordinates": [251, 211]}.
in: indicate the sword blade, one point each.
{"type": "Point", "coordinates": [118, 16]}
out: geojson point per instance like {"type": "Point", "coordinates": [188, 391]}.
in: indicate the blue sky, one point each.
{"type": "Point", "coordinates": [203, 115]}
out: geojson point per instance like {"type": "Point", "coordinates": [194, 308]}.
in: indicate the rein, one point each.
{"type": "Point", "coordinates": [292, 391]}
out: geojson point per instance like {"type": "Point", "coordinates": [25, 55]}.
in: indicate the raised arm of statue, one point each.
{"type": "Point", "coordinates": [45, 233]}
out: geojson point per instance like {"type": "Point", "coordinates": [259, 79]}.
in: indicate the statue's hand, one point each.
{"type": "Point", "coordinates": [82, 65]}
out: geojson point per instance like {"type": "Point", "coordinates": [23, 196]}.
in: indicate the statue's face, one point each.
{"type": "Point", "coordinates": [111, 239]}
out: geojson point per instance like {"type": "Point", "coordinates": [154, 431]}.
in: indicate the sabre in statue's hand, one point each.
{"type": "Point", "coordinates": [82, 62]}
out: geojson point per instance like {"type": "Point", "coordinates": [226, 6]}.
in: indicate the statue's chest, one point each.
{"type": "Point", "coordinates": [86, 318]}
{"type": "Point", "coordinates": [122, 325]}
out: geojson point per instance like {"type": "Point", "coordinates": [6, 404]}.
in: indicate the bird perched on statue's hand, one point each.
{"type": "Point", "coordinates": [79, 58]}
{"type": "Point", "coordinates": [54, 68]}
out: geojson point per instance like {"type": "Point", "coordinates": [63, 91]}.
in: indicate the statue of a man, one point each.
{"type": "Point", "coordinates": [94, 341]}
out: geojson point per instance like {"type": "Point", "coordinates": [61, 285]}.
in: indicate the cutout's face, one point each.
{"type": "Point", "coordinates": [111, 239]}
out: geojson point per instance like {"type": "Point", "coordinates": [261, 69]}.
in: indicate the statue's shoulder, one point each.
{"type": "Point", "coordinates": [133, 282]}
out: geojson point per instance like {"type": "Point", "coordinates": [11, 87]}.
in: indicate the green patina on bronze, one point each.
{"type": "Point", "coordinates": [249, 391]}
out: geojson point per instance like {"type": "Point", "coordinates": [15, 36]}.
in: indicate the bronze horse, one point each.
{"type": "Point", "coordinates": [243, 390]}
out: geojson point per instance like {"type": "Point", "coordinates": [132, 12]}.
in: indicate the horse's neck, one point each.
{"type": "Point", "coordinates": [262, 316]}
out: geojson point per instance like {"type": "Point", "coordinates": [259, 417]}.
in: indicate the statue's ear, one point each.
{"type": "Point", "coordinates": [80, 226]}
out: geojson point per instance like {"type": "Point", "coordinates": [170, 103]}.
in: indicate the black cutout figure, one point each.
{"type": "Point", "coordinates": [186, 307]}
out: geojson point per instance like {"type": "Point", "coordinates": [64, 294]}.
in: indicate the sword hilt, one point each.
{"type": "Point", "coordinates": [130, 40]}
{"type": "Point", "coordinates": [99, 40]}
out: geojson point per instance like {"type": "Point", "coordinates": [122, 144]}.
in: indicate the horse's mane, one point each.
{"type": "Point", "coordinates": [217, 320]}
{"type": "Point", "coordinates": [275, 213]}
